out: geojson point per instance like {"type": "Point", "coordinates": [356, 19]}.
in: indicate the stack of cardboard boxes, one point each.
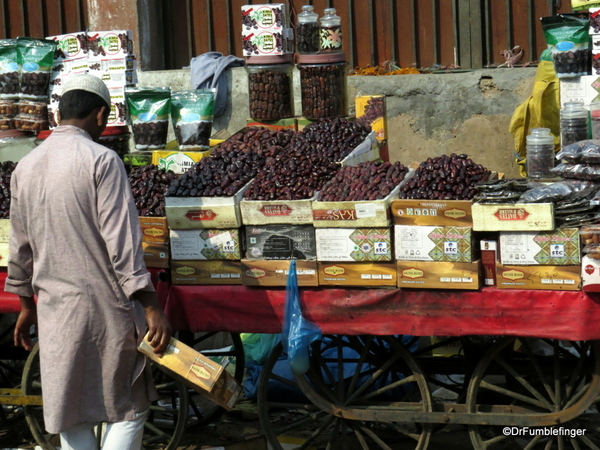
{"type": "Point", "coordinates": [107, 55]}
{"type": "Point", "coordinates": [434, 244]}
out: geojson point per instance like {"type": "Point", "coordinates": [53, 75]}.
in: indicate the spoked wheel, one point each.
{"type": "Point", "coordinates": [532, 378]}
{"type": "Point", "coordinates": [231, 354]}
{"type": "Point", "coordinates": [163, 428]}
{"type": "Point", "coordinates": [351, 397]}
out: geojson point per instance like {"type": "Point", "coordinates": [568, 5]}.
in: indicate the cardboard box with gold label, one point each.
{"type": "Point", "coordinates": [422, 243]}
{"type": "Point", "coordinates": [193, 213]}
{"type": "Point", "coordinates": [206, 272]}
{"type": "Point", "coordinates": [371, 110]}
{"type": "Point", "coordinates": [554, 278]}
{"type": "Point", "coordinates": [206, 244]}
{"type": "Point", "coordinates": [177, 161]}
{"type": "Point", "coordinates": [265, 212]}
{"type": "Point", "coordinates": [513, 217]}
{"type": "Point", "coordinates": [354, 244]}
{"type": "Point", "coordinates": [196, 371]}
{"type": "Point", "coordinates": [154, 229]}
{"type": "Point", "coordinates": [156, 255]}
{"type": "Point", "coordinates": [275, 273]}
{"type": "Point", "coordinates": [455, 213]}
{"type": "Point", "coordinates": [357, 274]}
{"type": "Point", "coordinates": [528, 248]}
{"type": "Point", "coordinates": [439, 275]}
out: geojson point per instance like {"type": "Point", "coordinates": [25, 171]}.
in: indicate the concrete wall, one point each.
{"type": "Point", "coordinates": [428, 115]}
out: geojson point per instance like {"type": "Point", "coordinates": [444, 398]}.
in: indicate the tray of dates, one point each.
{"type": "Point", "coordinates": [360, 196]}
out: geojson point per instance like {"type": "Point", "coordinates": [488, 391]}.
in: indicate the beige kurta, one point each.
{"type": "Point", "coordinates": [76, 244]}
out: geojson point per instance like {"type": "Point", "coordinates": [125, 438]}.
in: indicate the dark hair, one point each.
{"type": "Point", "coordinates": [78, 104]}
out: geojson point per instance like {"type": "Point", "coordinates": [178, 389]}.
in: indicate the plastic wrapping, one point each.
{"type": "Point", "coordinates": [556, 192]}
{"type": "Point", "coordinates": [587, 151]}
{"type": "Point", "coordinates": [192, 114]}
{"type": "Point", "coordinates": [149, 110]}
{"type": "Point", "coordinates": [578, 171]}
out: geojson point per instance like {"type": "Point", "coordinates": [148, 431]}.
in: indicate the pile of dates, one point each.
{"type": "Point", "coordinates": [232, 165]}
{"type": "Point", "coordinates": [367, 181]}
{"type": "Point", "coordinates": [309, 162]}
{"type": "Point", "coordinates": [445, 178]}
{"type": "Point", "coordinates": [6, 170]}
{"type": "Point", "coordinates": [149, 185]}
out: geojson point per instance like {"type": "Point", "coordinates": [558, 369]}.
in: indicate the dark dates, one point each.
{"type": "Point", "coordinates": [323, 90]}
{"type": "Point", "coordinates": [445, 178]}
{"type": "Point", "coordinates": [6, 170]}
{"type": "Point", "coordinates": [149, 185]}
{"type": "Point", "coordinates": [270, 95]}
{"type": "Point", "coordinates": [366, 181]}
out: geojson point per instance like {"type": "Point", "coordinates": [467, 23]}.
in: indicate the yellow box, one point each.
{"type": "Point", "coordinates": [275, 272]}
{"type": "Point", "coordinates": [206, 272]}
{"type": "Point", "coordinates": [156, 255]}
{"type": "Point", "coordinates": [513, 217]}
{"type": "Point", "coordinates": [154, 229]}
{"type": "Point", "coordinates": [276, 125]}
{"type": "Point", "coordinates": [196, 371]}
{"type": "Point", "coordinates": [439, 275]}
{"type": "Point", "coordinates": [554, 278]}
{"type": "Point", "coordinates": [373, 107]}
{"type": "Point", "coordinates": [177, 161]}
{"type": "Point", "coordinates": [455, 213]}
{"type": "Point", "coordinates": [357, 274]}
{"type": "Point", "coordinates": [4, 230]}
{"type": "Point", "coordinates": [4, 251]}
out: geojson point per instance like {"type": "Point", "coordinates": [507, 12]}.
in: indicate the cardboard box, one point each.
{"type": "Point", "coordinates": [69, 46]}
{"type": "Point", "coordinates": [264, 17]}
{"type": "Point", "coordinates": [578, 89]}
{"type": "Point", "coordinates": [275, 273]}
{"type": "Point", "coordinates": [556, 248]}
{"type": "Point", "coordinates": [554, 278]}
{"type": "Point", "coordinates": [109, 44]}
{"type": "Point", "coordinates": [156, 255]}
{"type": "Point", "coordinates": [265, 212]}
{"type": "Point", "coordinates": [456, 213]}
{"type": "Point", "coordinates": [489, 258]}
{"type": "Point", "coordinates": [439, 275]}
{"type": "Point", "coordinates": [119, 64]}
{"type": "Point", "coordinates": [590, 274]}
{"type": "Point", "coordinates": [177, 161]}
{"type": "Point", "coordinates": [276, 125]}
{"type": "Point", "coordinates": [4, 238]}
{"type": "Point", "coordinates": [206, 244]}
{"type": "Point", "coordinates": [281, 242]}
{"type": "Point", "coordinates": [115, 77]}
{"type": "Point", "coordinates": [357, 274]}
{"type": "Point", "coordinates": [118, 107]}
{"type": "Point", "coordinates": [450, 244]}
{"type": "Point", "coordinates": [355, 214]}
{"type": "Point", "coordinates": [513, 217]}
{"type": "Point", "coordinates": [265, 42]}
{"type": "Point", "coordinates": [154, 229]}
{"type": "Point", "coordinates": [206, 272]}
{"type": "Point", "coordinates": [193, 213]}
{"type": "Point", "coordinates": [196, 371]}
{"type": "Point", "coordinates": [373, 107]}
{"type": "Point", "coordinates": [367, 150]}
{"type": "Point", "coordinates": [354, 244]}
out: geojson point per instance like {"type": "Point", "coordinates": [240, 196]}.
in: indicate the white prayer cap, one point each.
{"type": "Point", "coordinates": [88, 83]}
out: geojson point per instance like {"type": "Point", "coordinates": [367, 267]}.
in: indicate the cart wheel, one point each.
{"type": "Point", "coordinates": [346, 372]}
{"type": "Point", "coordinates": [163, 428]}
{"type": "Point", "coordinates": [203, 411]}
{"type": "Point", "coordinates": [534, 376]}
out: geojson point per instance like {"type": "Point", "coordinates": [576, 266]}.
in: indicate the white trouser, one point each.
{"type": "Point", "coordinates": [118, 436]}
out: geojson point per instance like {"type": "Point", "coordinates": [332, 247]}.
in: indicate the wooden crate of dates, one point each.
{"type": "Point", "coordinates": [360, 196]}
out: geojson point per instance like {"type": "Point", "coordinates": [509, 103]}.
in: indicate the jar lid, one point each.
{"type": "Point", "coordinates": [270, 59]}
{"type": "Point", "coordinates": [44, 134]}
{"type": "Point", "coordinates": [322, 58]}
{"type": "Point", "coordinates": [110, 131]}
{"type": "Point", "coordinates": [540, 136]}
{"type": "Point", "coordinates": [573, 110]}
{"type": "Point", "coordinates": [12, 133]}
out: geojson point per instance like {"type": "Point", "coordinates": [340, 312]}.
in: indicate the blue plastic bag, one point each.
{"type": "Point", "coordinates": [298, 333]}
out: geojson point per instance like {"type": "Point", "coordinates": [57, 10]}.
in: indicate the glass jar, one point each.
{"type": "Point", "coordinates": [573, 123]}
{"type": "Point", "coordinates": [307, 31]}
{"type": "Point", "coordinates": [270, 87]}
{"type": "Point", "coordinates": [331, 32]}
{"type": "Point", "coordinates": [117, 139]}
{"type": "Point", "coordinates": [323, 85]}
{"type": "Point", "coordinates": [540, 153]}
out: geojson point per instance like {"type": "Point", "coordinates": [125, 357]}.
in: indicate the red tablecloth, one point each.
{"type": "Point", "coordinates": [551, 314]}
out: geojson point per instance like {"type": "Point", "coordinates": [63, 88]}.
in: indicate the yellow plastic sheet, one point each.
{"type": "Point", "coordinates": [540, 110]}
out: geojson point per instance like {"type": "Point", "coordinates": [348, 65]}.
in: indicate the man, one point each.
{"type": "Point", "coordinates": [75, 244]}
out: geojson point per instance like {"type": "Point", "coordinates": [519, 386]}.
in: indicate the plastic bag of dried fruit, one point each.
{"type": "Point", "coordinates": [149, 111]}
{"type": "Point", "coordinates": [9, 69]}
{"type": "Point", "coordinates": [192, 115]}
{"type": "Point", "coordinates": [35, 57]}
